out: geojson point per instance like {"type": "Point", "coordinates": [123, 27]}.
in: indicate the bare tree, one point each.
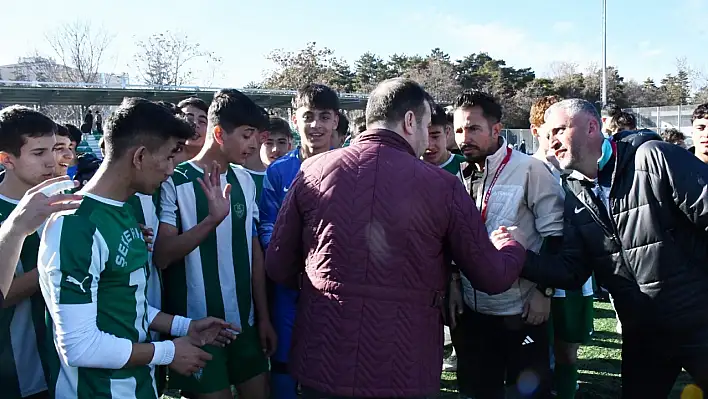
{"type": "Point", "coordinates": [438, 78]}
{"type": "Point", "coordinates": [294, 69]}
{"type": "Point", "coordinates": [80, 49]}
{"type": "Point", "coordinates": [164, 59]}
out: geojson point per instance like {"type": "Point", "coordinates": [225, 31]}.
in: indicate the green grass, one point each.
{"type": "Point", "coordinates": [599, 363]}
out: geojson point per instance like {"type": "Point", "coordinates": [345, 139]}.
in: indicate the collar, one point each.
{"type": "Point", "coordinates": [385, 137]}
{"type": "Point", "coordinates": [494, 160]}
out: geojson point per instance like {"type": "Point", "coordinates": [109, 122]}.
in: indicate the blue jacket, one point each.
{"type": "Point", "coordinates": [279, 176]}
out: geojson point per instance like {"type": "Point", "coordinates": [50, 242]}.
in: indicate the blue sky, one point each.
{"type": "Point", "coordinates": [645, 37]}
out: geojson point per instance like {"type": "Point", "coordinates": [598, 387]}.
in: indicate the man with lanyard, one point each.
{"type": "Point", "coordinates": [571, 311]}
{"type": "Point", "coordinates": [638, 220]}
{"type": "Point", "coordinates": [316, 118]}
{"type": "Point", "coordinates": [497, 337]}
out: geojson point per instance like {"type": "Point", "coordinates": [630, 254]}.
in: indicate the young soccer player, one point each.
{"type": "Point", "coordinates": [316, 117]}
{"type": "Point", "coordinates": [93, 271]}
{"type": "Point", "coordinates": [279, 141]}
{"type": "Point", "coordinates": [64, 151]}
{"type": "Point", "coordinates": [27, 140]}
{"type": "Point", "coordinates": [438, 137]}
{"type": "Point", "coordinates": [212, 265]}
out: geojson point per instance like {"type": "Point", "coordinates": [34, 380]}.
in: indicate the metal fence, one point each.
{"type": "Point", "coordinates": [517, 136]}
{"type": "Point", "coordinates": [662, 118]}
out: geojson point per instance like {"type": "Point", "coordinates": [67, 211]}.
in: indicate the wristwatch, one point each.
{"type": "Point", "coordinates": [548, 292]}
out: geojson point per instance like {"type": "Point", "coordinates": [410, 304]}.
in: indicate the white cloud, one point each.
{"type": "Point", "coordinates": [514, 45]}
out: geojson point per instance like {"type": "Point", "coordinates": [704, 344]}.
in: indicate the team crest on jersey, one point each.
{"type": "Point", "coordinates": [240, 210]}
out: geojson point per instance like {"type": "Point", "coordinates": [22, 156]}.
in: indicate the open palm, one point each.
{"type": "Point", "coordinates": [219, 199]}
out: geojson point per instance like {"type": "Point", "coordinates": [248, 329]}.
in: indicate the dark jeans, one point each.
{"type": "Point", "coordinates": [310, 393]}
{"type": "Point", "coordinates": [501, 357]}
{"type": "Point", "coordinates": [651, 360]}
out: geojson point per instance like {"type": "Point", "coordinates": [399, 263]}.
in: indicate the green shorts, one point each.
{"type": "Point", "coordinates": [572, 317]}
{"type": "Point", "coordinates": [235, 364]}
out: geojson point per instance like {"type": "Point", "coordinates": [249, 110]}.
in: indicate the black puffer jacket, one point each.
{"type": "Point", "coordinates": [652, 254]}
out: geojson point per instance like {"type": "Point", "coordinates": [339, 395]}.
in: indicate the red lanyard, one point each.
{"type": "Point", "coordinates": [485, 200]}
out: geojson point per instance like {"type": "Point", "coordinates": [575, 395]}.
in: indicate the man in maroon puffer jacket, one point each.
{"type": "Point", "coordinates": [373, 229]}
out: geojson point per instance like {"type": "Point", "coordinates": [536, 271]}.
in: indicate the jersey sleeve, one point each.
{"type": "Point", "coordinates": [544, 198]}
{"type": "Point", "coordinates": [168, 203]}
{"type": "Point", "coordinates": [72, 261]}
{"type": "Point", "coordinates": [271, 200]}
{"type": "Point", "coordinates": [72, 257]}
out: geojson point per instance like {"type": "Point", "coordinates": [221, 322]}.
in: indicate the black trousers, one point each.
{"type": "Point", "coordinates": [652, 360]}
{"type": "Point", "coordinates": [501, 357]}
{"type": "Point", "coordinates": [310, 393]}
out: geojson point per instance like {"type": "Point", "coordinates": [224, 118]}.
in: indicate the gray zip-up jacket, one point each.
{"type": "Point", "coordinates": [525, 195]}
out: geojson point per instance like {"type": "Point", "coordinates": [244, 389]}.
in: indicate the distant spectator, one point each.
{"type": "Point", "coordinates": [608, 111]}
{"type": "Point", "coordinates": [674, 136]}
{"type": "Point", "coordinates": [620, 122]}
{"type": "Point", "coordinates": [99, 122]}
{"type": "Point", "coordinates": [88, 123]}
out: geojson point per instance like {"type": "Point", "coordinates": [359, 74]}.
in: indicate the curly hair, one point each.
{"type": "Point", "coordinates": [539, 107]}
{"type": "Point", "coordinates": [673, 136]}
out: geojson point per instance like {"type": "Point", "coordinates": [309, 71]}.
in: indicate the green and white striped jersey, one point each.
{"type": "Point", "coordinates": [23, 362]}
{"type": "Point", "coordinates": [216, 277]}
{"type": "Point", "coordinates": [94, 260]}
{"type": "Point", "coordinates": [258, 180]}
{"type": "Point", "coordinates": [146, 210]}
{"type": "Point", "coordinates": [452, 164]}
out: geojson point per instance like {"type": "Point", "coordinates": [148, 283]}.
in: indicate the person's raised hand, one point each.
{"type": "Point", "coordinates": [40, 202]}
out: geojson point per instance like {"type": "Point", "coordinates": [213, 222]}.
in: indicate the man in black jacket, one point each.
{"type": "Point", "coordinates": [638, 218]}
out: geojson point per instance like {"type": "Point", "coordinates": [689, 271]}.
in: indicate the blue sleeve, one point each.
{"type": "Point", "coordinates": [271, 200]}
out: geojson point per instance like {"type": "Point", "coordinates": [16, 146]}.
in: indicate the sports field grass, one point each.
{"type": "Point", "coordinates": [599, 363]}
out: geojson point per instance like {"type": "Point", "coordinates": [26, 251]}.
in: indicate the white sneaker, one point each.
{"type": "Point", "coordinates": [450, 364]}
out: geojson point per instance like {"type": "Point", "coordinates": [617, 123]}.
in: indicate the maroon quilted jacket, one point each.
{"type": "Point", "coordinates": [369, 225]}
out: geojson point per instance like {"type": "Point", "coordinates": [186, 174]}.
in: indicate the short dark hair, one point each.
{"type": "Point", "coordinates": [280, 126]}
{"type": "Point", "coordinates": [343, 125]}
{"type": "Point", "coordinates": [17, 123]}
{"type": "Point", "coordinates": [392, 98]}
{"type": "Point", "coordinates": [195, 102]}
{"type": "Point", "coordinates": [141, 122]}
{"type": "Point", "coordinates": [622, 120]}
{"type": "Point", "coordinates": [316, 96]}
{"type": "Point", "coordinates": [673, 136]}
{"type": "Point", "coordinates": [62, 131]}
{"type": "Point", "coordinates": [75, 134]}
{"type": "Point", "coordinates": [701, 112]}
{"type": "Point", "coordinates": [450, 116]}
{"type": "Point", "coordinates": [438, 117]}
{"type": "Point", "coordinates": [491, 109]}
{"type": "Point", "coordinates": [231, 109]}
{"type": "Point", "coordinates": [609, 110]}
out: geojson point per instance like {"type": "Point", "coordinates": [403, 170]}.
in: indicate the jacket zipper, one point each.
{"type": "Point", "coordinates": [484, 183]}
{"type": "Point", "coordinates": [612, 232]}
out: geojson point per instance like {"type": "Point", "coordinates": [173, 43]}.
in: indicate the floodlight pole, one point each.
{"type": "Point", "coordinates": [604, 52]}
